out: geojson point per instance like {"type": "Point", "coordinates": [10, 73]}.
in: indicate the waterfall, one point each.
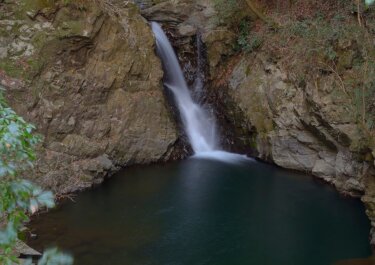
{"type": "Point", "coordinates": [199, 126]}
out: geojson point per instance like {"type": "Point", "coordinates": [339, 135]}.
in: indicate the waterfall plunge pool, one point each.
{"type": "Point", "coordinates": [205, 212]}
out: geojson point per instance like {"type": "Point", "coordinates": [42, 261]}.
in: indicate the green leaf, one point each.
{"type": "Point", "coordinates": [55, 257]}
{"type": "Point", "coordinates": [8, 235]}
{"type": "Point", "coordinates": [46, 198]}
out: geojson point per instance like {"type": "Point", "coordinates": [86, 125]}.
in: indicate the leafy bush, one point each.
{"type": "Point", "coordinates": [17, 195]}
{"type": "Point", "coordinates": [54, 257]}
{"type": "Point", "coordinates": [247, 40]}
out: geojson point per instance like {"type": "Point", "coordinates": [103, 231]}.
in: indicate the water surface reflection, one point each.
{"type": "Point", "coordinates": [208, 212]}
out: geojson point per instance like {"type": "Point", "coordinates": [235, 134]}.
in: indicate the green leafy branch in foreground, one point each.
{"type": "Point", "coordinates": [17, 195]}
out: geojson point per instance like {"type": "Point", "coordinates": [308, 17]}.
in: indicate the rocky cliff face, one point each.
{"type": "Point", "coordinates": [305, 128]}
{"type": "Point", "coordinates": [88, 78]}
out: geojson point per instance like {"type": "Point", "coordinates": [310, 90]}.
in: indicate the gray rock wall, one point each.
{"type": "Point", "coordinates": [309, 128]}
{"type": "Point", "coordinates": [96, 95]}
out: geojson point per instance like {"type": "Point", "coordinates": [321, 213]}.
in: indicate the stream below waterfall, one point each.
{"type": "Point", "coordinates": [206, 212]}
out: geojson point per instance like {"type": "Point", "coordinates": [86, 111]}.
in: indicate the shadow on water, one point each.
{"type": "Point", "coordinates": [201, 211]}
{"type": "Point", "coordinates": [368, 261]}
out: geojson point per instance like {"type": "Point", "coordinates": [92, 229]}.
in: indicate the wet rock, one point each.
{"type": "Point", "coordinates": [187, 30]}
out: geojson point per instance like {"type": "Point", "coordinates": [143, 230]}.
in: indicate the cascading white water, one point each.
{"type": "Point", "coordinates": [199, 126]}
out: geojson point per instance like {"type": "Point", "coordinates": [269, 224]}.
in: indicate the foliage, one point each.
{"type": "Point", "coordinates": [247, 40]}
{"type": "Point", "coordinates": [336, 47]}
{"type": "Point", "coordinates": [229, 12]}
{"type": "Point", "coordinates": [54, 257]}
{"type": "Point", "coordinates": [16, 142]}
{"type": "Point", "coordinates": [327, 46]}
{"type": "Point", "coordinates": [316, 41]}
{"type": "Point", "coordinates": [18, 196]}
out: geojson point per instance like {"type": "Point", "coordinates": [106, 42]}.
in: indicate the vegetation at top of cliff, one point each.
{"type": "Point", "coordinates": [29, 27]}
{"type": "Point", "coordinates": [336, 39]}
{"type": "Point", "coordinates": [229, 12]}
{"type": "Point", "coordinates": [314, 39]}
{"type": "Point", "coordinates": [244, 42]}
{"type": "Point", "coordinates": [19, 197]}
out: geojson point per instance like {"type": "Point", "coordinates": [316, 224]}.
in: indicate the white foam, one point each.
{"type": "Point", "coordinates": [223, 157]}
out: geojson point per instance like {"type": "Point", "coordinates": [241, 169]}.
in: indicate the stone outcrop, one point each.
{"type": "Point", "coordinates": [307, 127]}
{"type": "Point", "coordinates": [90, 81]}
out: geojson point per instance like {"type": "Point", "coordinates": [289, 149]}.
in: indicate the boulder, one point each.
{"type": "Point", "coordinates": [93, 88]}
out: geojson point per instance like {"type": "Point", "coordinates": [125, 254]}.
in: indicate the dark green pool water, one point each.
{"type": "Point", "coordinates": [201, 212]}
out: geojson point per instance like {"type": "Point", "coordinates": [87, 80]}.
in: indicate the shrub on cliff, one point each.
{"type": "Point", "coordinates": [18, 197]}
